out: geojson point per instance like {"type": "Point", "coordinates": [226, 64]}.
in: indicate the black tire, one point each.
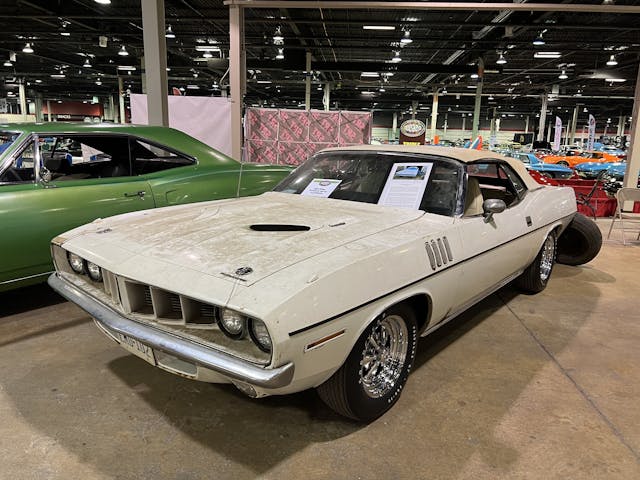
{"type": "Point", "coordinates": [563, 163]}
{"type": "Point", "coordinates": [535, 277]}
{"type": "Point", "coordinates": [580, 242]}
{"type": "Point", "coordinates": [347, 393]}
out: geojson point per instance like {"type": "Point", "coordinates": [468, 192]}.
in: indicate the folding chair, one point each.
{"type": "Point", "coordinates": [626, 195]}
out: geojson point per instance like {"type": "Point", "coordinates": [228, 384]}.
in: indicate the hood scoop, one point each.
{"type": "Point", "coordinates": [278, 227]}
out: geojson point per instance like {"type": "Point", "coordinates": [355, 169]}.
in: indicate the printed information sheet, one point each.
{"type": "Point", "coordinates": [406, 185]}
{"type": "Point", "coordinates": [321, 187]}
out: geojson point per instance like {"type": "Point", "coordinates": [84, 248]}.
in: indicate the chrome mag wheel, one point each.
{"type": "Point", "coordinates": [383, 357]}
{"type": "Point", "coordinates": [547, 258]}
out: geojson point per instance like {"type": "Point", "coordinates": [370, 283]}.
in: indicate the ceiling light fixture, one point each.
{"type": "Point", "coordinates": [58, 75]}
{"type": "Point", "coordinates": [7, 63]}
{"type": "Point", "coordinates": [547, 55]}
{"type": "Point", "coordinates": [490, 97]}
{"type": "Point", "coordinates": [378, 27]}
{"type": "Point", "coordinates": [38, 80]}
{"type": "Point", "coordinates": [539, 41]}
{"type": "Point", "coordinates": [563, 75]}
{"type": "Point", "coordinates": [612, 61]}
{"type": "Point", "coordinates": [280, 55]}
{"type": "Point", "coordinates": [406, 39]}
{"type": "Point", "coordinates": [474, 75]}
{"type": "Point", "coordinates": [103, 2]}
{"type": "Point", "coordinates": [126, 68]}
{"type": "Point", "coordinates": [87, 63]}
{"type": "Point", "coordinates": [396, 57]}
{"type": "Point", "coordinates": [501, 60]}
{"type": "Point", "coordinates": [615, 80]}
{"type": "Point", "coordinates": [98, 82]}
{"type": "Point", "coordinates": [123, 51]}
{"type": "Point", "coordinates": [27, 48]}
{"type": "Point", "coordinates": [207, 54]}
{"type": "Point", "coordinates": [370, 74]}
{"type": "Point", "coordinates": [169, 33]}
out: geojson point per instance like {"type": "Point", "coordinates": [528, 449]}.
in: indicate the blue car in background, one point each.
{"type": "Point", "coordinates": [593, 169]}
{"type": "Point", "coordinates": [552, 170]}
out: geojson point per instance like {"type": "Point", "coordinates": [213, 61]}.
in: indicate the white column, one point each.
{"type": "Point", "coordinates": [326, 97]}
{"type": "Point", "coordinates": [394, 126]}
{"type": "Point", "coordinates": [633, 155]}
{"type": "Point", "coordinates": [48, 110]}
{"type": "Point", "coordinates": [476, 108]}
{"type": "Point", "coordinates": [526, 124]}
{"type": "Point", "coordinates": [434, 115]}
{"type": "Point", "coordinates": [155, 61]}
{"type": "Point", "coordinates": [307, 86]}
{"type": "Point", "coordinates": [38, 106]}
{"type": "Point", "coordinates": [23, 98]}
{"type": "Point", "coordinates": [236, 77]}
{"type": "Point", "coordinates": [121, 100]}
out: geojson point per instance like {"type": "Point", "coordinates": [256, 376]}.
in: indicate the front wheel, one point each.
{"type": "Point", "coordinates": [375, 372]}
{"type": "Point", "coordinates": [535, 277]}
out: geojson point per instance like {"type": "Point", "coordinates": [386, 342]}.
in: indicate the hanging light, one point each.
{"type": "Point", "coordinates": [406, 39]}
{"type": "Point", "coordinates": [27, 48]}
{"type": "Point", "coordinates": [169, 33]}
{"type": "Point", "coordinates": [123, 51]}
{"type": "Point", "coordinates": [396, 57]}
{"type": "Point", "coordinates": [7, 63]}
{"type": "Point", "coordinates": [207, 54]}
{"type": "Point", "coordinates": [539, 41]}
{"type": "Point", "coordinates": [98, 82]}
{"type": "Point", "coordinates": [563, 75]}
{"type": "Point", "coordinates": [278, 38]}
{"type": "Point", "coordinates": [490, 97]}
{"type": "Point", "coordinates": [103, 2]}
{"type": "Point", "coordinates": [280, 55]}
{"type": "Point", "coordinates": [612, 61]}
{"type": "Point", "coordinates": [501, 60]}
{"type": "Point", "coordinates": [87, 63]}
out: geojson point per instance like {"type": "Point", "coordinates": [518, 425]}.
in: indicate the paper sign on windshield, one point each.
{"type": "Point", "coordinates": [321, 187]}
{"type": "Point", "coordinates": [406, 185]}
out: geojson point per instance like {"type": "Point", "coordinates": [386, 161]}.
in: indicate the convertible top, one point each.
{"type": "Point", "coordinates": [465, 155]}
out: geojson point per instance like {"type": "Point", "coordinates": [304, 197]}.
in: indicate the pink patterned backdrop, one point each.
{"type": "Point", "coordinates": [290, 136]}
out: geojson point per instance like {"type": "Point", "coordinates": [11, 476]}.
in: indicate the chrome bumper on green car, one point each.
{"type": "Point", "coordinates": [225, 364]}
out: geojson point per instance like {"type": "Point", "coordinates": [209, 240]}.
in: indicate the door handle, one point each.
{"type": "Point", "coordinates": [140, 194]}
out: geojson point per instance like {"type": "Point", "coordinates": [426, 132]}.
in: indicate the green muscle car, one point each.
{"type": "Point", "coordinates": [56, 176]}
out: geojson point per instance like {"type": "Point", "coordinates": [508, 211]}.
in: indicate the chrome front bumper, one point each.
{"type": "Point", "coordinates": [225, 364]}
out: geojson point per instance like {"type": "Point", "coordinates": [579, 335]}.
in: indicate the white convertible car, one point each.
{"type": "Point", "coordinates": [325, 282]}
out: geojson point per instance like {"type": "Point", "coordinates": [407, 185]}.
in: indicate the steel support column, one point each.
{"type": "Point", "coordinates": [307, 83]}
{"type": "Point", "coordinates": [155, 61]}
{"type": "Point", "coordinates": [38, 106]}
{"type": "Point", "coordinates": [633, 157]}
{"type": "Point", "coordinates": [476, 109]}
{"type": "Point", "coordinates": [574, 125]}
{"type": "Point", "coordinates": [121, 100]}
{"type": "Point", "coordinates": [23, 98]}
{"type": "Point", "coordinates": [236, 77]}
{"type": "Point", "coordinates": [48, 110]}
{"type": "Point", "coordinates": [434, 115]}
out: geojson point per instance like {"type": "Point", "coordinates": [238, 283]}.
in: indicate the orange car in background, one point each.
{"type": "Point", "coordinates": [573, 158]}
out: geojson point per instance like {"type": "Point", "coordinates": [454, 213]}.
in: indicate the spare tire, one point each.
{"type": "Point", "coordinates": [580, 242]}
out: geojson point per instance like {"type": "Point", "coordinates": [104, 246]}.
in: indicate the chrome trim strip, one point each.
{"type": "Point", "coordinates": [220, 362]}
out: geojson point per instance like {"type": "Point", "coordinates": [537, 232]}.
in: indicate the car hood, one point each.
{"type": "Point", "coordinates": [243, 239]}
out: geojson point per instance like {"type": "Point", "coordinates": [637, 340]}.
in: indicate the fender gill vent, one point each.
{"type": "Point", "coordinates": [279, 228]}
{"type": "Point", "coordinates": [439, 252]}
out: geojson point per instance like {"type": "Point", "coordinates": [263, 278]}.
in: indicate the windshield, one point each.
{"type": "Point", "coordinates": [409, 181]}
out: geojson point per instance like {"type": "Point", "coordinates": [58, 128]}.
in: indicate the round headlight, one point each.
{"type": "Point", "coordinates": [76, 262]}
{"type": "Point", "coordinates": [233, 324]}
{"type": "Point", "coordinates": [260, 335]}
{"type": "Point", "coordinates": [94, 271]}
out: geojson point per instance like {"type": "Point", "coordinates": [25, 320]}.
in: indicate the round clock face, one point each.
{"type": "Point", "coordinates": [412, 128]}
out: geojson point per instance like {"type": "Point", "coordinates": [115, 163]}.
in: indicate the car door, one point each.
{"type": "Point", "coordinates": [498, 249]}
{"type": "Point", "coordinates": [62, 193]}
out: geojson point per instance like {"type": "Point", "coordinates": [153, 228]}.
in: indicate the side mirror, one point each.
{"type": "Point", "coordinates": [491, 206]}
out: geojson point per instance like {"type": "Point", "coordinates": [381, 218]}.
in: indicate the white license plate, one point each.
{"type": "Point", "coordinates": [140, 349]}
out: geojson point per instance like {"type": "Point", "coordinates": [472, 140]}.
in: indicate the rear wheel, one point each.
{"type": "Point", "coordinates": [580, 242]}
{"type": "Point", "coordinates": [563, 163]}
{"type": "Point", "coordinates": [375, 372]}
{"type": "Point", "coordinates": [534, 279]}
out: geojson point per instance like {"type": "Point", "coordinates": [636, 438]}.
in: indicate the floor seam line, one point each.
{"type": "Point", "coordinates": [582, 392]}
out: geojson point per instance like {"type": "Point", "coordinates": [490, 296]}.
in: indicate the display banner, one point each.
{"type": "Point", "coordinates": [592, 133]}
{"type": "Point", "coordinates": [558, 134]}
{"type": "Point", "coordinates": [206, 118]}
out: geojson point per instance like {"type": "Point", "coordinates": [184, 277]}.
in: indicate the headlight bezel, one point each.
{"type": "Point", "coordinates": [96, 278]}
{"type": "Point", "coordinates": [252, 324]}
{"type": "Point", "coordinates": [238, 335]}
{"type": "Point", "coordinates": [71, 257]}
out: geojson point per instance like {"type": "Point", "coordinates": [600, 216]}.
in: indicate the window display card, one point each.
{"type": "Point", "coordinates": [321, 187]}
{"type": "Point", "coordinates": [405, 185]}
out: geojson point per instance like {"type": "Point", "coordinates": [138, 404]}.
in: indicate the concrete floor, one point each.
{"type": "Point", "coordinates": [519, 387]}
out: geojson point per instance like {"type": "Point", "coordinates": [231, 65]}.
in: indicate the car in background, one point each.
{"type": "Point", "coordinates": [328, 281]}
{"type": "Point", "coordinates": [56, 176]}
{"type": "Point", "coordinates": [590, 170]}
{"type": "Point", "coordinates": [574, 157]}
{"type": "Point", "coordinates": [532, 162]}
{"type": "Point", "coordinates": [613, 150]}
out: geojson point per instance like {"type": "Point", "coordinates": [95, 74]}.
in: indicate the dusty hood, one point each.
{"type": "Point", "coordinates": [246, 239]}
